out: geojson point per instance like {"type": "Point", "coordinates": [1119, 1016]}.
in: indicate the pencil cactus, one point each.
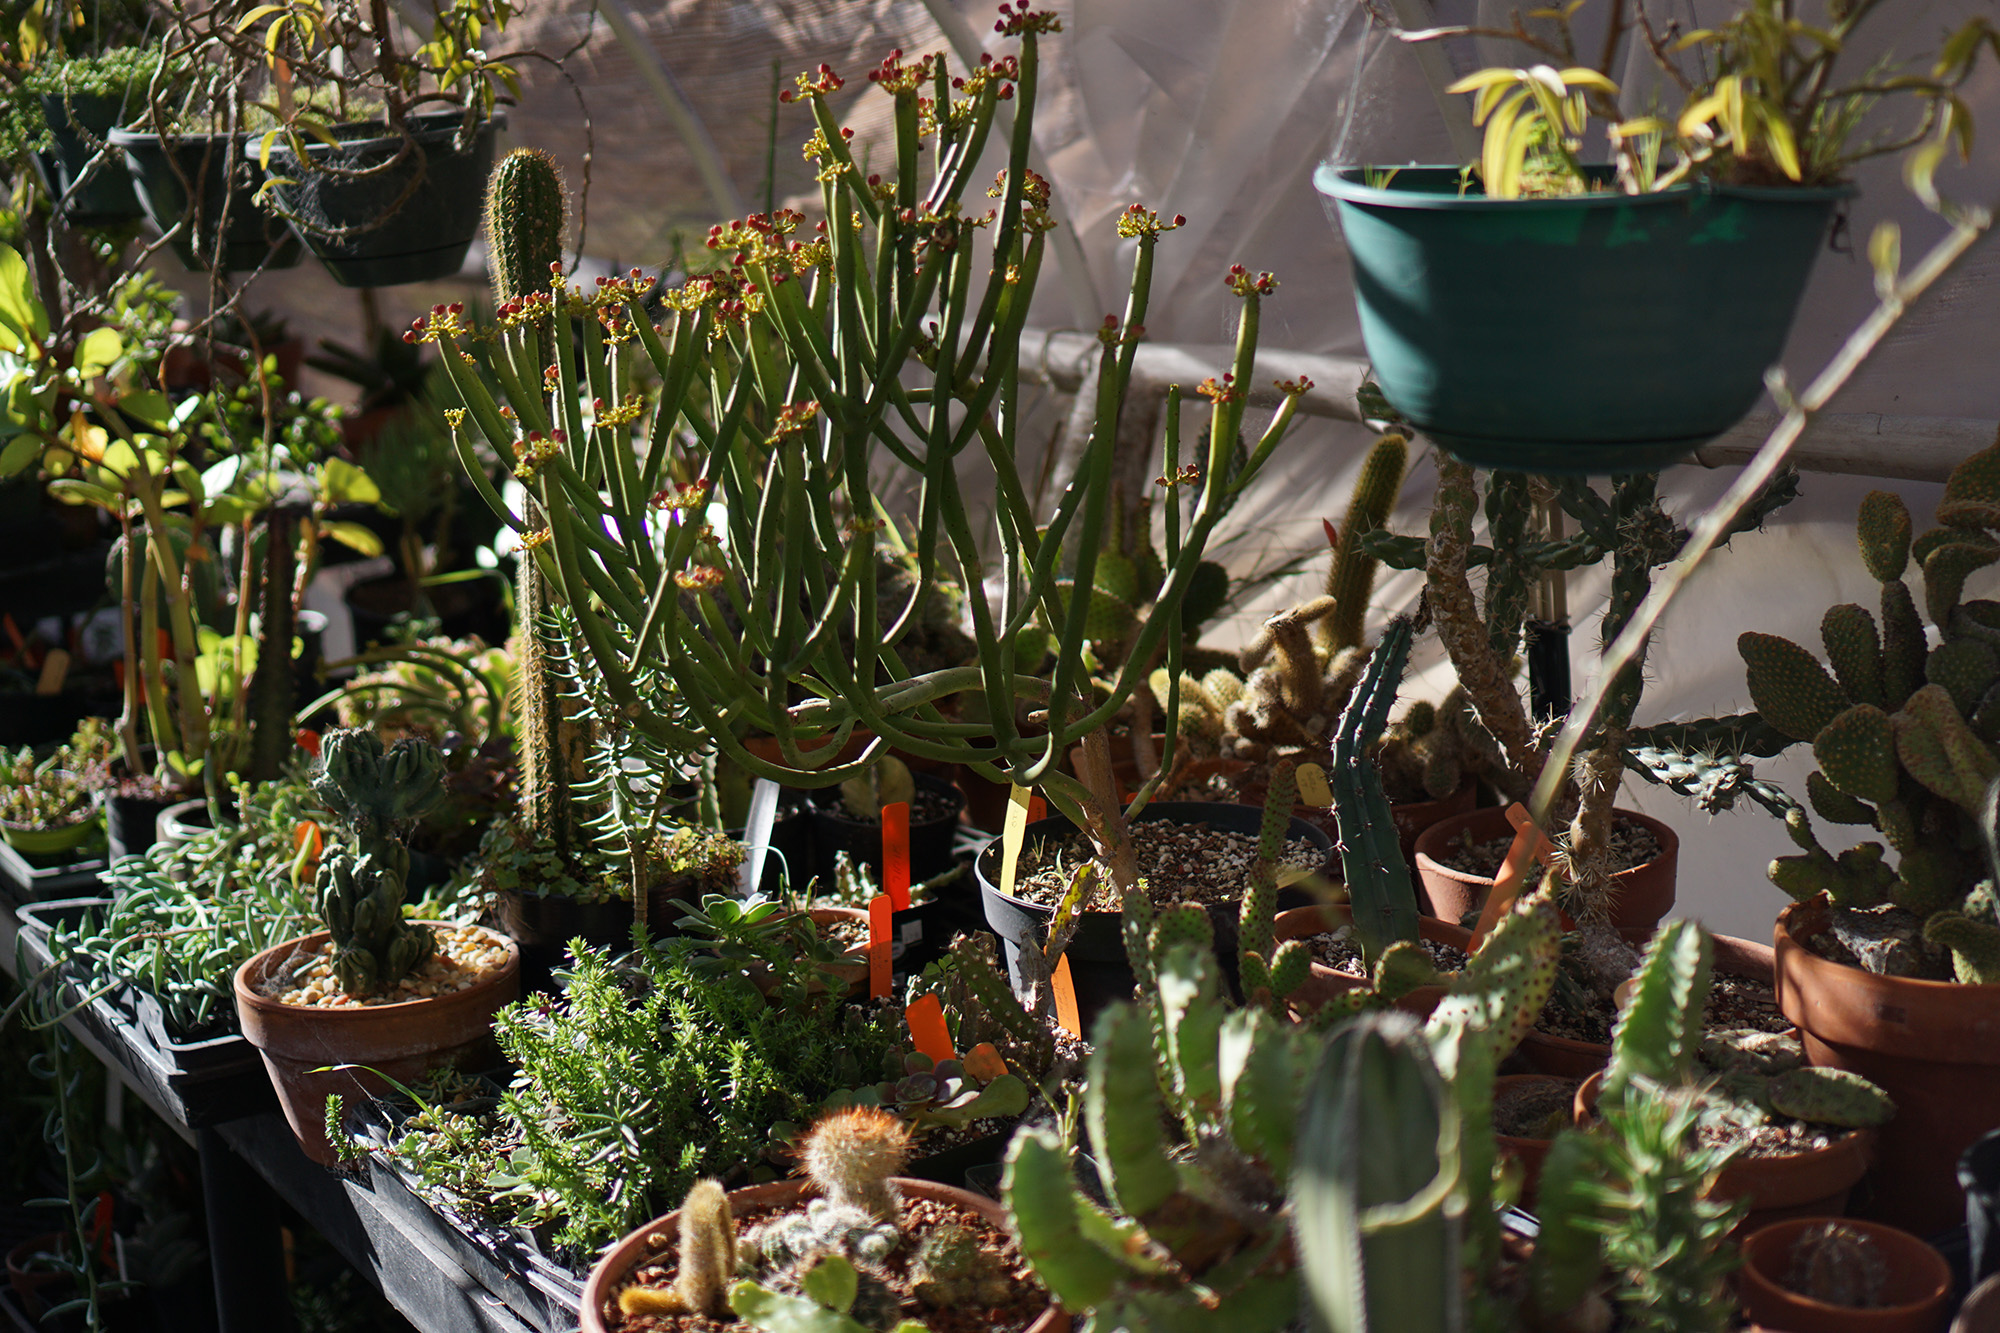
{"type": "Point", "coordinates": [1906, 733]}
{"type": "Point", "coordinates": [360, 883]}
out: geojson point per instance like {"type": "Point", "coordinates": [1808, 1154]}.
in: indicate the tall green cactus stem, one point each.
{"type": "Point", "coordinates": [270, 702]}
{"type": "Point", "coordinates": [527, 211]}
{"type": "Point", "coordinates": [1350, 578]}
{"type": "Point", "coordinates": [1904, 731]}
{"type": "Point", "coordinates": [1658, 1034]}
{"type": "Point", "coordinates": [1374, 1182]}
{"type": "Point", "coordinates": [1270, 971]}
{"type": "Point", "coordinates": [778, 391]}
{"type": "Point", "coordinates": [360, 884]}
{"type": "Point", "coordinates": [1371, 857]}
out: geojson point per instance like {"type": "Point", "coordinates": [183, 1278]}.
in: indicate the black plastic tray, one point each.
{"type": "Point", "coordinates": [27, 882]}
{"type": "Point", "coordinates": [195, 1083]}
{"type": "Point", "coordinates": [505, 1261]}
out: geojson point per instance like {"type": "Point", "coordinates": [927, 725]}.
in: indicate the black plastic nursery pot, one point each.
{"type": "Point", "coordinates": [106, 198]}
{"type": "Point", "coordinates": [1099, 970]}
{"type": "Point", "coordinates": [225, 229]}
{"type": "Point", "coordinates": [194, 1081]}
{"type": "Point", "coordinates": [131, 823]}
{"type": "Point", "coordinates": [1600, 333]}
{"type": "Point", "coordinates": [930, 839]}
{"type": "Point", "coordinates": [379, 208]}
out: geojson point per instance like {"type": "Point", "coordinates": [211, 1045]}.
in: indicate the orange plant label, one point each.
{"type": "Point", "coordinates": [984, 1063]}
{"type": "Point", "coordinates": [896, 853]}
{"type": "Point", "coordinates": [1067, 1013]}
{"type": "Point", "coordinates": [1529, 844]}
{"type": "Point", "coordinates": [928, 1033]}
{"type": "Point", "coordinates": [881, 914]}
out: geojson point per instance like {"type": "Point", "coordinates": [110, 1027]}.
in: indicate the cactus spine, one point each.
{"type": "Point", "coordinates": [360, 884]}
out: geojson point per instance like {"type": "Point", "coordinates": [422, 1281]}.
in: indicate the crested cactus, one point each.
{"type": "Point", "coordinates": [1906, 734]}
{"type": "Point", "coordinates": [360, 884]}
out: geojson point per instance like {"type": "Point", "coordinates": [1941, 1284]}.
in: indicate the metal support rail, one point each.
{"type": "Point", "coordinates": [1861, 443]}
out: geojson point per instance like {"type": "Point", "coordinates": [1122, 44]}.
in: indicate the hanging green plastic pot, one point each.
{"type": "Point", "coordinates": [1598, 334]}
{"type": "Point", "coordinates": [376, 220]}
{"type": "Point", "coordinates": [226, 229]}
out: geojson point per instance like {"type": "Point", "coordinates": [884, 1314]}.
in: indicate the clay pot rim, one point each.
{"type": "Point", "coordinates": [775, 1196]}
{"type": "Point", "coordinates": [1783, 933]}
{"type": "Point", "coordinates": [1664, 832]}
{"type": "Point", "coordinates": [1749, 954]}
{"type": "Point", "coordinates": [247, 994]}
{"type": "Point", "coordinates": [1907, 1249]}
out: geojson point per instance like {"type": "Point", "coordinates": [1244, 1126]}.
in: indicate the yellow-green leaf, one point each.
{"type": "Point", "coordinates": [353, 536]}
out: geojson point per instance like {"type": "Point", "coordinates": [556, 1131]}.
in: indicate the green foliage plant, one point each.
{"type": "Point", "coordinates": [41, 794]}
{"type": "Point", "coordinates": [694, 471]}
{"type": "Point", "coordinates": [1769, 97]}
{"type": "Point", "coordinates": [613, 1104]}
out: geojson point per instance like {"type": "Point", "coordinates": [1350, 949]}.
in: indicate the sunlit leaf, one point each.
{"type": "Point", "coordinates": [353, 536]}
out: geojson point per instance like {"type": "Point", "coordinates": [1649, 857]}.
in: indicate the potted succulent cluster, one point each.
{"type": "Point", "coordinates": [374, 996]}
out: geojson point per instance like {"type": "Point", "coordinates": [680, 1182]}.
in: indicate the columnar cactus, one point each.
{"type": "Point", "coordinates": [1906, 734]}
{"type": "Point", "coordinates": [707, 1260]}
{"type": "Point", "coordinates": [1371, 854]}
{"type": "Point", "coordinates": [1270, 971]}
{"type": "Point", "coordinates": [360, 885]}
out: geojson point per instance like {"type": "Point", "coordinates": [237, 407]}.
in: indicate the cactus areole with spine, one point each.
{"type": "Point", "coordinates": [378, 793]}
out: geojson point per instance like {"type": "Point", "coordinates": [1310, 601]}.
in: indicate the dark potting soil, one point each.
{"type": "Point", "coordinates": [1733, 1002]}
{"type": "Point", "coordinates": [1178, 862]}
{"type": "Point", "coordinates": [927, 806]}
{"type": "Point", "coordinates": [1632, 844]}
{"type": "Point", "coordinates": [1028, 1302]}
{"type": "Point", "coordinates": [1339, 950]}
{"type": "Point", "coordinates": [1536, 1110]}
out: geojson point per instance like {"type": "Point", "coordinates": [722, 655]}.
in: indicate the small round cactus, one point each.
{"type": "Point", "coordinates": [952, 1270]}
{"type": "Point", "coordinates": [850, 1154]}
{"type": "Point", "coordinates": [1839, 1265]}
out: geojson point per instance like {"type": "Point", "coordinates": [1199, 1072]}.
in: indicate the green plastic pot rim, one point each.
{"type": "Point", "coordinates": [1336, 182]}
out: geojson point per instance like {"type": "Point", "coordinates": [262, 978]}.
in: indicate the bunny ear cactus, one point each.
{"type": "Point", "coordinates": [1906, 734]}
{"type": "Point", "coordinates": [360, 884]}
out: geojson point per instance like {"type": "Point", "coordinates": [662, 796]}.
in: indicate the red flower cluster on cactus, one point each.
{"type": "Point", "coordinates": [810, 86]}
{"type": "Point", "coordinates": [1223, 391]}
{"type": "Point", "coordinates": [444, 321]}
{"type": "Point", "coordinates": [1139, 220]}
{"type": "Point", "coordinates": [1243, 283]}
{"type": "Point", "coordinates": [1023, 21]}
{"type": "Point", "coordinates": [893, 76]}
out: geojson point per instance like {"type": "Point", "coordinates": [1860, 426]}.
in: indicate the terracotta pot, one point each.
{"type": "Point", "coordinates": [1981, 1311]}
{"type": "Point", "coordinates": [400, 1041]}
{"type": "Point", "coordinates": [1807, 1184]}
{"type": "Point", "coordinates": [1570, 1058]}
{"type": "Point", "coordinates": [1413, 818]}
{"type": "Point", "coordinates": [1528, 1152]}
{"type": "Point", "coordinates": [1323, 983]}
{"type": "Point", "coordinates": [660, 1234]}
{"type": "Point", "coordinates": [1929, 1044]}
{"type": "Point", "coordinates": [1645, 892]}
{"type": "Point", "coordinates": [1917, 1285]}
{"type": "Point", "coordinates": [33, 1287]}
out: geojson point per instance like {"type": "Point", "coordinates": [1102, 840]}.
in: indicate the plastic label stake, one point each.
{"type": "Point", "coordinates": [1529, 845]}
{"type": "Point", "coordinates": [1067, 1014]}
{"type": "Point", "coordinates": [54, 668]}
{"type": "Point", "coordinates": [880, 914]}
{"type": "Point", "coordinates": [1038, 809]}
{"type": "Point", "coordinates": [1012, 833]}
{"type": "Point", "coordinates": [757, 833]}
{"type": "Point", "coordinates": [928, 1032]}
{"type": "Point", "coordinates": [896, 853]}
{"type": "Point", "coordinates": [1313, 788]}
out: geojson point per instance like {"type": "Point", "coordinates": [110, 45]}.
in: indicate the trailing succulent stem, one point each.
{"type": "Point", "coordinates": [361, 881]}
